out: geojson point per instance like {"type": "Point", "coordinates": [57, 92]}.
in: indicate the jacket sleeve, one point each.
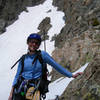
{"type": "Point", "coordinates": [48, 59]}
{"type": "Point", "coordinates": [17, 74]}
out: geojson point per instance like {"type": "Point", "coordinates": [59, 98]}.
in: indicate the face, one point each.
{"type": "Point", "coordinates": [33, 45]}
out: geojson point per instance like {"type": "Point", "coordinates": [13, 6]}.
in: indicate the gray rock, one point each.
{"type": "Point", "coordinates": [2, 26]}
{"type": "Point", "coordinates": [78, 43]}
{"type": "Point", "coordinates": [44, 27]}
{"type": "Point", "coordinates": [87, 86]}
{"type": "Point", "coordinates": [10, 9]}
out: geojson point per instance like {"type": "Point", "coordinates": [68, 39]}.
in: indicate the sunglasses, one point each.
{"type": "Point", "coordinates": [34, 42]}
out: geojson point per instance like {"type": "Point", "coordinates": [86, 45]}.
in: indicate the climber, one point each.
{"type": "Point", "coordinates": [30, 68]}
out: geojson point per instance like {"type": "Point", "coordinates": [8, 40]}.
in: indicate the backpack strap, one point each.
{"type": "Point", "coordinates": [44, 65]}
{"type": "Point", "coordinates": [22, 63]}
{"type": "Point", "coordinates": [38, 56]}
{"type": "Point", "coordinates": [22, 57]}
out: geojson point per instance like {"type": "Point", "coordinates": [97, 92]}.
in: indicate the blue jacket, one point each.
{"type": "Point", "coordinates": [34, 71]}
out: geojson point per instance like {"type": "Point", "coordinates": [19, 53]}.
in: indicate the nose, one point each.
{"type": "Point", "coordinates": [34, 44]}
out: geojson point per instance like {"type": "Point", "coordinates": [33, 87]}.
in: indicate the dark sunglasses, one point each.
{"type": "Point", "coordinates": [36, 42]}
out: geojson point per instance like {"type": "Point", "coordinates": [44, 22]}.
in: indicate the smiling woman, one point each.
{"type": "Point", "coordinates": [31, 74]}
{"type": "Point", "coordinates": [33, 41]}
{"type": "Point", "coordinates": [14, 38]}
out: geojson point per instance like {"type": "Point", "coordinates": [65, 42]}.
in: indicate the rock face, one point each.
{"type": "Point", "coordinates": [44, 26]}
{"type": "Point", "coordinates": [78, 50]}
{"type": "Point", "coordinates": [79, 40]}
{"type": "Point", "coordinates": [87, 86]}
{"type": "Point", "coordinates": [80, 15]}
{"type": "Point", "coordinates": [78, 43]}
{"type": "Point", "coordinates": [10, 9]}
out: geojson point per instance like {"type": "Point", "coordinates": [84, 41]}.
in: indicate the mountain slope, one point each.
{"type": "Point", "coordinates": [77, 43]}
{"type": "Point", "coordinates": [77, 40]}
{"type": "Point", "coordinates": [13, 41]}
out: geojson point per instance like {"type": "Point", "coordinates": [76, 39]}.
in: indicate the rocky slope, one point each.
{"type": "Point", "coordinates": [87, 86]}
{"type": "Point", "coordinates": [79, 39]}
{"type": "Point", "coordinates": [78, 50]}
{"type": "Point", "coordinates": [10, 9]}
{"type": "Point", "coordinates": [78, 43]}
